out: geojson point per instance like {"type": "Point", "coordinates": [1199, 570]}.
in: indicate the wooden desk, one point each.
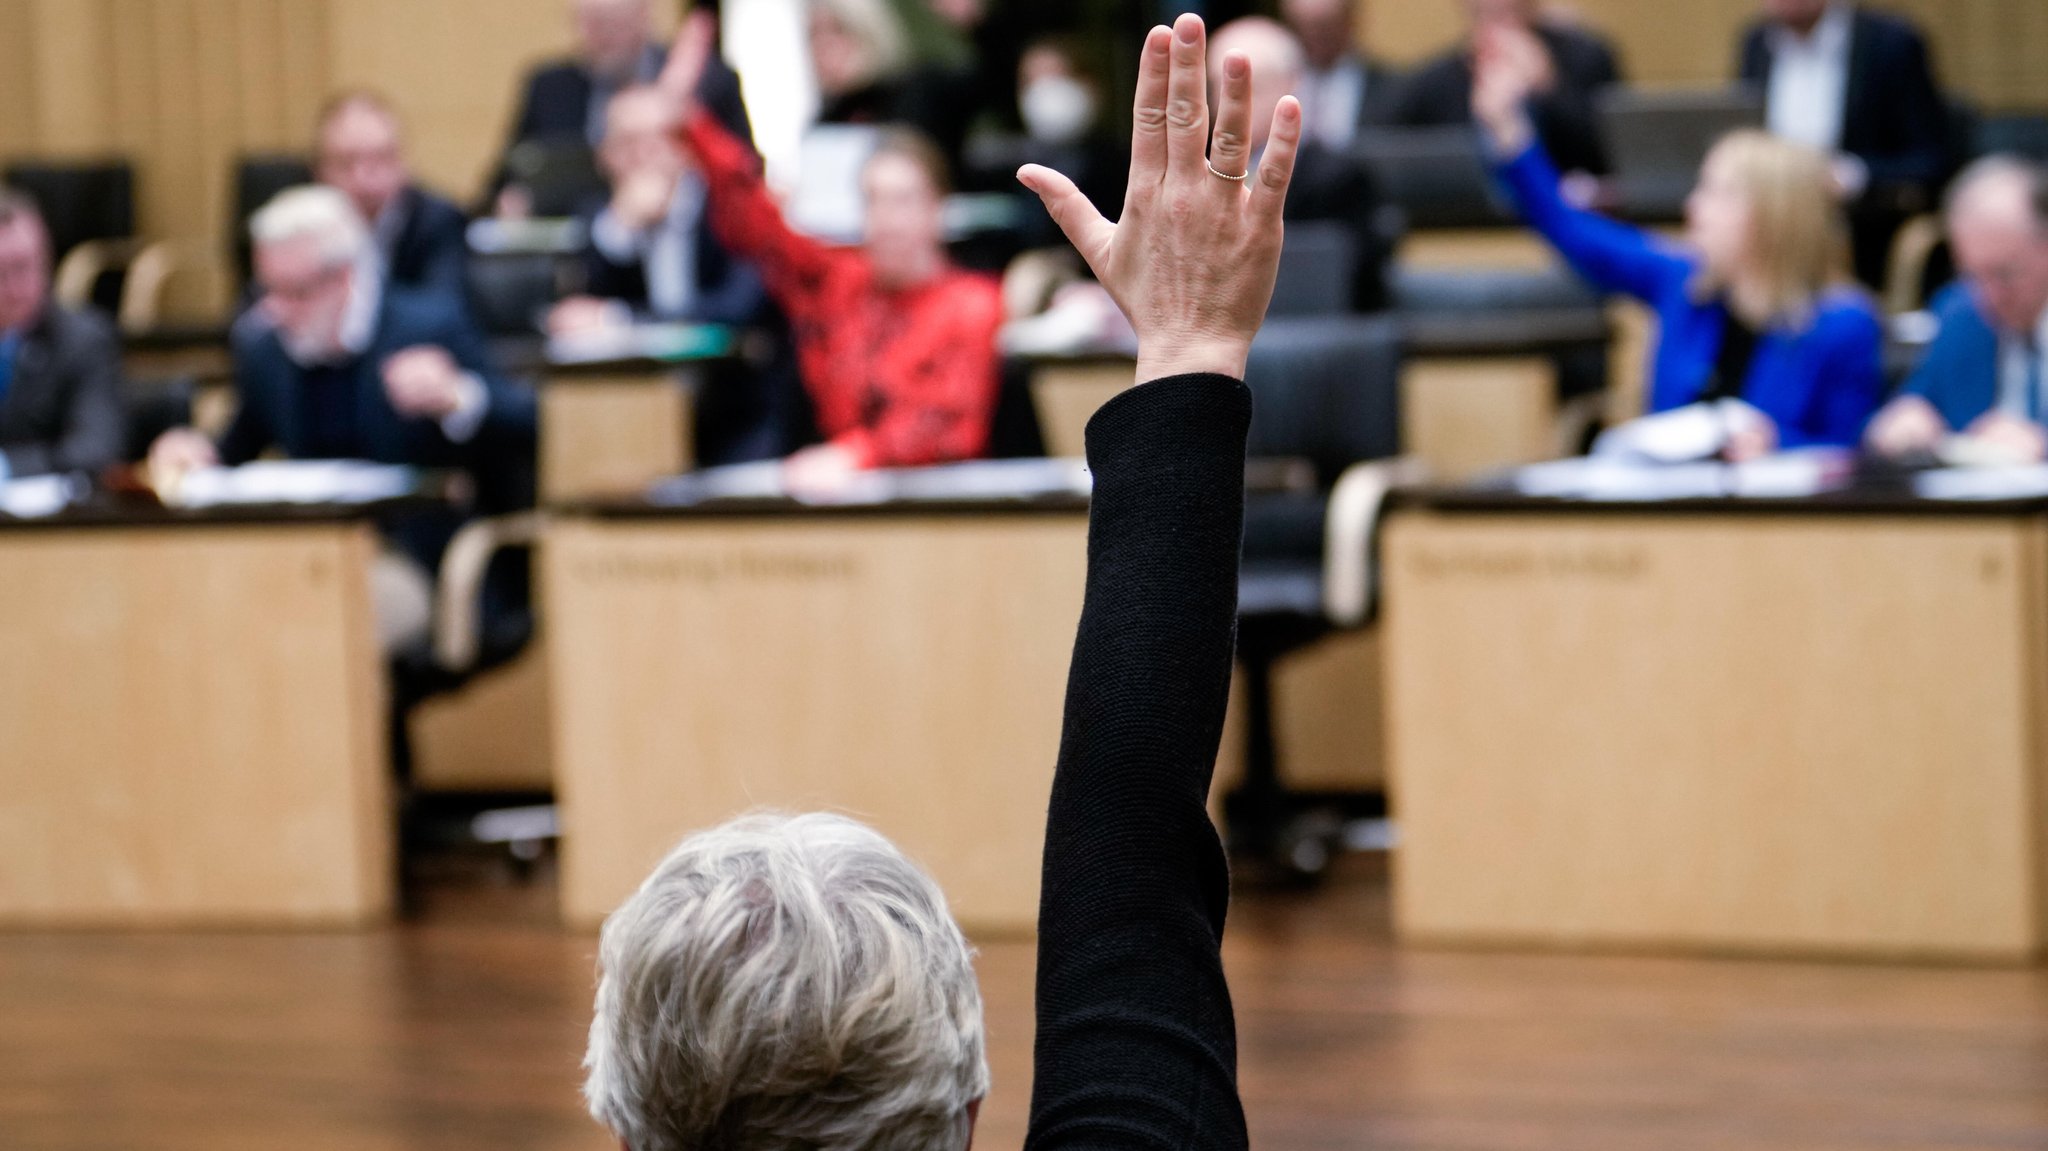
{"type": "Point", "coordinates": [613, 428]}
{"type": "Point", "coordinates": [1799, 727]}
{"type": "Point", "coordinates": [904, 665]}
{"type": "Point", "coordinates": [194, 718]}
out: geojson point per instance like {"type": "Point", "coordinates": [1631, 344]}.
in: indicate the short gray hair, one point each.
{"type": "Point", "coordinates": [2029, 176]}
{"type": "Point", "coordinates": [313, 211]}
{"type": "Point", "coordinates": [786, 981]}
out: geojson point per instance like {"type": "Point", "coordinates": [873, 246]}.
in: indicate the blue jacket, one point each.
{"type": "Point", "coordinates": [1819, 383]}
{"type": "Point", "coordinates": [1960, 373]}
{"type": "Point", "coordinates": [272, 409]}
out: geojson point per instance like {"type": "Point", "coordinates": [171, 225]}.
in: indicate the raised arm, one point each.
{"type": "Point", "coordinates": [1136, 1045]}
{"type": "Point", "coordinates": [1613, 256]}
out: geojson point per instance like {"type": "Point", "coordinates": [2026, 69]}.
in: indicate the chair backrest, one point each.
{"type": "Point", "coordinates": [1659, 138]}
{"type": "Point", "coordinates": [2023, 133]}
{"type": "Point", "coordinates": [559, 173]}
{"type": "Point", "coordinates": [258, 179]}
{"type": "Point", "coordinates": [1489, 290]}
{"type": "Point", "coordinates": [153, 408]}
{"type": "Point", "coordinates": [1327, 390]}
{"type": "Point", "coordinates": [82, 201]}
{"type": "Point", "coordinates": [1436, 176]}
{"type": "Point", "coordinates": [509, 294]}
{"type": "Point", "coordinates": [1317, 267]}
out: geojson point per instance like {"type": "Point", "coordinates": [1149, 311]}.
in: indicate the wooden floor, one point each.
{"type": "Point", "coordinates": [462, 1030]}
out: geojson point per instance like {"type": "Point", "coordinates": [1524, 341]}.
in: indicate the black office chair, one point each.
{"type": "Point", "coordinates": [1435, 176]}
{"type": "Point", "coordinates": [155, 407]}
{"type": "Point", "coordinates": [1317, 266]}
{"type": "Point", "coordinates": [2022, 133]}
{"type": "Point", "coordinates": [559, 174]}
{"type": "Point", "coordinates": [259, 178]}
{"type": "Point", "coordinates": [509, 293]}
{"type": "Point", "coordinates": [1326, 393]}
{"type": "Point", "coordinates": [89, 208]}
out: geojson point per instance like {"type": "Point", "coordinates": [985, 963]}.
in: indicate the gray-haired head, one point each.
{"type": "Point", "coordinates": [317, 213]}
{"type": "Point", "coordinates": [1998, 233]}
{"type": "Point", "coordinates": [786, 981]}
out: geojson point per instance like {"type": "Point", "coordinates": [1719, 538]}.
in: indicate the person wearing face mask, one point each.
{"type": "Point", "coordinates": [896, 347]}
{"type": "Point", "coordinates": [335, 363]}
{"type": "Point", "coordinates": [1986, 374]}
{"type": "Point", "coordinates": [1752, 307]}
{"type": "Point", "coordinates": [1059, 99]}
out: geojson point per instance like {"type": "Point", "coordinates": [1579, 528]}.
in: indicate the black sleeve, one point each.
{"type": "Point", "coordinates": [1920, 119]}
{"type": "Point", "coordinates": [249, 434]}
{"type": "Point", "coordinates": [1136, 1043]}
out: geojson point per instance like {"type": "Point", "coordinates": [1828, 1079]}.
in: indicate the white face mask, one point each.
{"type": "Point", "coordinates": [1057, 109]}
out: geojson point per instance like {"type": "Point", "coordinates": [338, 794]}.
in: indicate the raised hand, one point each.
{"type": "Point", "coordinates": [1506, 72]}
{"type": "Point", "coordinates": [687, 58]}
{"type": "Point", "coordinates": [1193, 258]}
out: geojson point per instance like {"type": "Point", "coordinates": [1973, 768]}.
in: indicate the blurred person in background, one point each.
{"type": "Point", "coordinates": [1986, 374]}
{"type": "Point", "coordinates": [1328, 184]}
{"type": "Point", "coordinates": [61, 407]}
{"type": "Point", "coordinates": [1568, 67]}
{"type": "Point", "coordinates": [335, 363]}
{"type": "Point", "coordinates": [420, 236]}
{"type": "Point", "coordinates": [897, 347]}
{"type": "Point", "coordinates": [1858, 85]}
{"type": "Point", "coordinates": [1753, 306]}
{"type": "Point", "coordinates": [566, 100]}
{"type": "Point", "coordinates": [1060, 97]}
{"type": "Point", "coordinates": [1342, 89]}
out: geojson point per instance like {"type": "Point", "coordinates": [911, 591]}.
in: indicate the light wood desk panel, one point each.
{"type": "Point", "coordinates": [194, 727]}
{"type": "Point", "coordinates": [604, 435]}
{"type": "Point", "coordinates": [908, 671]}
{"type": "Point", "coordinates": [1731, 732]}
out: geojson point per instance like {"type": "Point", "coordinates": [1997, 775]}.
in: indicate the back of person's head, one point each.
{"type": "Point", "coordinates": [1797, 236]}
{"type": "Point", "coordinates": [855, 43]}
{"type": "Point", "coordinates": [317, 214]}
{"type": "Point", "coordinates": [785, 982]}
{"type": "Point", "coordinates": [1277, 64]}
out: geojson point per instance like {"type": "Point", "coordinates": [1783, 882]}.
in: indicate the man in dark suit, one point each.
{"type": "Point", "coordinates": [421, 237]}
{"type": "Point", "coordinates": [1858, 85]}
{"type": "Point", "coordinates": [60, 371]}
{"type": "Point", "coordinates": [566, 100]}
{"type": "Point", "coordinates": [1328, 184]}
{"type": "Point", "coordinates": [336, 364]}
{"type": "Point", "coordinates": [1342, 89]}
{"type": "Point", "coordinates": [1577, 64]}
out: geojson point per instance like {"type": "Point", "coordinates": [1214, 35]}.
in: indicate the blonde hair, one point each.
{"type": "Point", "coordinates": [786, 982]}
{"type": "Point", "coordinates": [1798, 231]}
{"type": "Point", "coordinates": [875, 25]}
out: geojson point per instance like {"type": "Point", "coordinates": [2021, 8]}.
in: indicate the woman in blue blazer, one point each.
{"type": "Point", "coordinates": [1753, 305]}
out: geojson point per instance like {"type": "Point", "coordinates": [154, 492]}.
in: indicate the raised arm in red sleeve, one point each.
{"type": "Point", "coordinates": [747, 220]}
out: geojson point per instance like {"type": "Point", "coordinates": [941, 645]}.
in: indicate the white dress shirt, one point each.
{"type": "Point", "coordinates": [2021, 367]}
{"type": "Point", "coordinates": [1330, 102]}
{"type": "Point", "coordinates": [1809, 82]}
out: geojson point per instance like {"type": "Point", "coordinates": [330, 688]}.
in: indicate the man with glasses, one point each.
{"type": "Point", "coordinates": [1986, 374]}
{"type": "Point", "coordinates": [60, 371]}
{"type": "Point", "coordinates": [334, 363]}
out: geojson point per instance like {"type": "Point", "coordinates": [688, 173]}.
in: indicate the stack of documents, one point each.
{"type": "Point", "coordinates": [349, 482]}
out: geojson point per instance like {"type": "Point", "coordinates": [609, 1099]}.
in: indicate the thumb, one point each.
{"type": "Point", "coordinates": [1084, 226]}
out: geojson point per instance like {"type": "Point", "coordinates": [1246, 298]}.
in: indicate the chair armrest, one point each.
{"type": "Point", "coordinates": [458, 614]}
{"type": "Point", "coordinates": [1907, 265]}
{"type": "Point", "coordinates": [86, 263]}
{"type": "Point", "coordinates": [149, 274]}
{"type": "Point", "coordinates": [1350, 569]}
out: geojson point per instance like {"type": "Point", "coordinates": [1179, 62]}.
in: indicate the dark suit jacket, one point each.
{"type": "Point", "coordinates": [729, 291]}
{"type": "Point", "coordinates": [1440, 92]}
{"type": "Point", "coordinates": [64, 411]}
{"type": "Point", "coordinates": [1330, 185]}
{"type": "Point", "coordinates": [431, 251]}
{"type": "Point", "coordinates": [557, 97]}
{"type": "Point", "coordinates": [272, 413]}
{"type": "Point", "coordinates": [1894, 118]}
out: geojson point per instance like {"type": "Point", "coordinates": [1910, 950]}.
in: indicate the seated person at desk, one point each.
{"type": "Point", "coordinates": [1567, 68]}
{"type": "Point", "coordinates": [1328, 184]}
{"type": "Point", "coordinates": [782, 982]}
{"type": "Point", "coordinates": [60, 371]}
{"type": "Point", "coordinates": [566, 100]}
{"type": "Point", "coordinates": [336, 364]}
{"type": "Point", "coordinates": [1986, 370]}
{"type": "Point", "coordinates": [897, 348]}
{"type": "Point", "coordinates": [652, 253]}
{"type": "Point", "coordinates": [420, 236]}
{"type": "Point", "coordinates": [1753, 306]}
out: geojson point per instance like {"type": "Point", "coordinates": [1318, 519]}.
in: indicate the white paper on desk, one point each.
{"type": "Point", "coordinates": [37, 497]}
{"type": "Point", "coordinates": [1788, 475]}
{"type": "Point", "coordinates": [987, 480]}
{"type": "Point", "coordinates": [2009, 483]}
{"type": "Point", "coordinates": [295, 482]}
{"type": "Point", "coordinates": [1681, 435]}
